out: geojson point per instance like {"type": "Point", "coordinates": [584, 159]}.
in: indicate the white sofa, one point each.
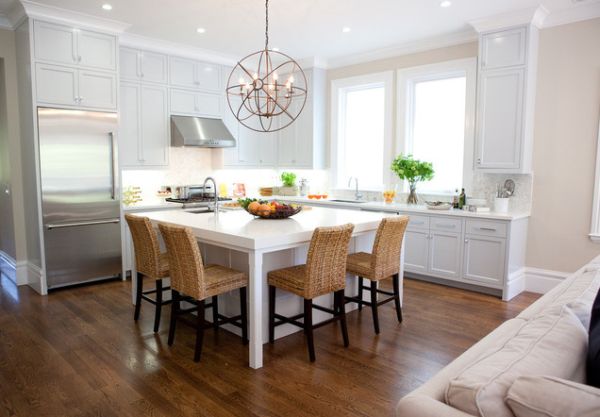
{"type": "Point", "coordinates": [547, 339]}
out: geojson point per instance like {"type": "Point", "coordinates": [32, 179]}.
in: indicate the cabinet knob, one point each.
{"type": "Point", "coordinates": [260, 161]}
{"type": "Point", "coordinates": [479, 160]}
{"type": "Point", "coordinates": [293, 161]}
{"type": "Point", "coordinates": [466, 240]}
{"type": "Point", "coordinates": [79, 58]}
{"type": "Point", "coordinates": [142, 75]}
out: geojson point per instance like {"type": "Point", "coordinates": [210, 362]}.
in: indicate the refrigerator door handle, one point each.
{"type": "Point", "coordinates": [113, 165]}
{"type": "Point", "coordinates": [77, 224]}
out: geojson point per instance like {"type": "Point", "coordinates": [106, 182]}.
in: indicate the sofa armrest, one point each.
{"type": "Point", "coordinates": [424, 406]}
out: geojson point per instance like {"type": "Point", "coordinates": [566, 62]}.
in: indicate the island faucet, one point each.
{"type": "Point", "coordinates": [214, 188]}
{"type": "Point", "coordinates": [357, 194]}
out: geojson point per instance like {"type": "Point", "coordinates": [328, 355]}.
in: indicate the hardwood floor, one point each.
{"type": "Point", "coordinates": [78, 352]}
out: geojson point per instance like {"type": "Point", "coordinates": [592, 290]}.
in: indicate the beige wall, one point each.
{"type": "Point", "coordinates": [12, 174]}
{"type": "Point", "coordinates": [566, 132]}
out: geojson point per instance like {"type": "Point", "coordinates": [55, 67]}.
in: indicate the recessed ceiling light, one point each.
{"type": "Point", "coordinates": [200, 30]}
{"type": "Point", "coordinates": [276, 49]}
{"type": "Point", "coordinates": [446, 3]}
{"type": "Point", "coordinates": [107, 6]}
{"type": "Point", "coordinates": [346, 29]}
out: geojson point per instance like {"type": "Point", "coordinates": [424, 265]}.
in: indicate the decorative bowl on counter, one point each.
{"type": "Point", "coordinates": [269, 209]}
{"type": "Point", "coordinates": [438, 205]}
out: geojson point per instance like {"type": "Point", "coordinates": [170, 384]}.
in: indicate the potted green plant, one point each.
{"type": "Point", "coordinates": [289, 184]}
{"type": "Point", "coordinates": [414, 171]}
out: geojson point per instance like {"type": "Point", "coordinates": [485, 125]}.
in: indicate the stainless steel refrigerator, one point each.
{"type": "Point", "coordinates": [80, 195]}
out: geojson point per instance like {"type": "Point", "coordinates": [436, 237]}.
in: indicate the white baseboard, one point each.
{"type": "Point", "coordinates": [542, 280]}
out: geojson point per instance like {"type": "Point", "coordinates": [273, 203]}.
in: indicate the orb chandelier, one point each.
{"type": "Point", "coordinates": [266, 90]}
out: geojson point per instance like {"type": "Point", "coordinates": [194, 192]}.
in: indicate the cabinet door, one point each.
{"type": "Point", "coordinates": [248, 147]}
{"type": "Point", "coordinates": [182, 72]}
{"type": "Point", "coordinates": [208, 77]}
{"type": "Point", "coordinates": [55, 43]}
{"type": "Point", "coordinates": [183, 102]}
{"type": "Point", "coordinates": [129, 125]}
{"type": "Point", "coordinates": [484, 260]}
{"type": "Point", "coordinates": [97, 50]}
{"type": "Point", "coordinates": [296, 147]}
{"type": "Point", "coordinates": [97, 89]}
{"type": "Point", "coordinates": [129, 64]}
{"type": "Point", "coordinates": [153, 68]}
{"type": "Point", "coordinates": [208, 104]}
{"type": "Point", "coordinates": [56, 85]}
{"type": "Point", "coordinates": [268, 149]}
{"type": "Point", "coordinates": [154, 122]}
{"type": "Point", "coordinates": [500, 119]}
{"type": "Point", "coordinates": [444, 255]}
{"type": "Point", "coordinates": [416, 251]}
{"type": "Point", "coordinates": [504, 49]}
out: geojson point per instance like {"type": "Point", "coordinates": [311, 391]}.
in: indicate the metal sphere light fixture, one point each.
{"type": "Point", "coordinates": [267, 90]}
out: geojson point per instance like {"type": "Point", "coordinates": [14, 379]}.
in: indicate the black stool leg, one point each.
{"type": "Point", "coordinates": [174, 312]}
{"type": "Point", "coordinates": [396, 280]}
{"type": "Point", "coordinates": [308, 329]}
{"type": "Point", "coordinates": [360, 292]}
{"type": "Point", "coordinates": [158, 306]}
{"type": "Point", "coordinates": [341, 311]}
{"type": "Point", "coordinates": [215, 312]}
{"type": "Point", "coordinates": [374, 306]}
{"type": "Point", "coordinates": [272, 290]}
{"type": "Point", "coordinates": [199, 330]}
{"type": "Point", "coordinates": [138, 296]}
{"type": "Point", "coordinates": [244, 314]}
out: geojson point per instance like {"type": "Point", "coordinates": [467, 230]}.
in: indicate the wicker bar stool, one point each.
{"type": "Point", "coordinates": [193, 282]}
{"type": "Point", "coordinates": [149, 263]}
{"type": "Point", "coordinates": [323, 273]}
{"type": "Point", "coordinates": [382, 263]}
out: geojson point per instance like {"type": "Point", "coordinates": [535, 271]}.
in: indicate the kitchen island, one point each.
{"type": "Point", "coordinates": [240, 241]}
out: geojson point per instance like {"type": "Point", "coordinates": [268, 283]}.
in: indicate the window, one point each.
{"type": "Point", "coordinates": [361, 130]}
{"type": "Point", "coordinates": [436, 106]}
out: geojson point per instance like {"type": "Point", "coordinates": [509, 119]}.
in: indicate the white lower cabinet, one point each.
{"type": "Point", "coordinates": [445, 255]}
{"type": "Point", "coordinates": [484, 260]}
{"type": "Point", "coordinates": [471, 250]}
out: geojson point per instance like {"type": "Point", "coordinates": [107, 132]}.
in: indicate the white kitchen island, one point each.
{"type": "Point", "coordinates": [238, 240]}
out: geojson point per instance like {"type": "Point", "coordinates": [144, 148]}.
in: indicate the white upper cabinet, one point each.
{"type": "Point", "coordinates": [143, 127]}
{"type": "Point", "coordinates": [188, 73]}
{"type": "Point", "coordinates": [506, 100]}
{"type": "Point", "coordinates": [61, 44]}
{"type": "Point", "coordinates": [143, 66]}
{"type": "Point", "coordinates": [506, 48]}
{"type": "Point", "coordinates": [195, 103]}
{"type": "Point", "coordinates": [71, 87]}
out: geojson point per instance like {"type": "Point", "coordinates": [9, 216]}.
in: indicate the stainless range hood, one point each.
{"type": "Point", "coordinates": [201, 132]}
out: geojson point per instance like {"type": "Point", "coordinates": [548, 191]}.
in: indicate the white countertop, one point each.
{"type": "Point", "coordinates": [399, 207]}
{"type": "Point", "coordinates": [237, 228]}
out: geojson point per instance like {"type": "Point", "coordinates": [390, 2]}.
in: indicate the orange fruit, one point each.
{"type": "Point", "coordinates": [264, 210]}
{"type": "Point", "coordinates": [253, 207]}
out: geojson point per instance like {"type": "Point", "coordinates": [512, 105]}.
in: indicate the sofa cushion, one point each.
{"type": "Point", "coordinates": [543, 396]}
{"type": "Point", "coordinates": [552, 344]}
{"type": "Point", "coordinates": [593, 356]}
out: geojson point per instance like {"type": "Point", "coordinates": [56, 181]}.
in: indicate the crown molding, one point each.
{"type": "Point", "coordinates": [172, 48]}
{"type": "Point", "coordinates": [404, 49]}
{"type": "Point", "coordinates": [577, 13]}
{"type": "Point", "coordinates": [57, 14]}
{"type": "Point", "coordinates": [534, 16]}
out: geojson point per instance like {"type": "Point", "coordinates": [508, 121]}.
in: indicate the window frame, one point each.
{"type": "Point", "coordinates": [405, 98]}
{"type": "Point", "coordinates": [594, 234]}
{"type": "Point", "coordinates": [386, 79]}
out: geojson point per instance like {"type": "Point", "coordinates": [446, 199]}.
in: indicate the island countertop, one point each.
{"type": "Point", "coordinates": [240, 229]}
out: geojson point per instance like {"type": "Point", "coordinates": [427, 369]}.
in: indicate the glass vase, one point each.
{"type": "Point", "coordinates": [412, 196]}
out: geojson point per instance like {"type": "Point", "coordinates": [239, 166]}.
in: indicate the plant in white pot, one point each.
{"type": "Point", "coordinates": [289, 184]}
{"type": "Point", "coordinates": [414, 171]}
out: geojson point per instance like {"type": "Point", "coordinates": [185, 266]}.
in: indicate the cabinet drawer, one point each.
{"type": "Point", "coordinates": [416, 222]}
{"type": "Point", "coordinates": [445, 224]}
{"type": "Point", "coordinates": [504, 49]}
{"type": "Point", "coordinates": [486, 228]}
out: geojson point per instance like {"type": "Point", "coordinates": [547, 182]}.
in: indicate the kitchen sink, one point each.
{"type": "Point", "coordinates": [350, 201]}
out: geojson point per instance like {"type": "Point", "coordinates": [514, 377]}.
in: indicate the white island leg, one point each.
{"type": "Point", "coordinates": [255, 260]}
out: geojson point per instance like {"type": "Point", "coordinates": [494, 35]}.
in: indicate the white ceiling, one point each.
{"type": "Point", "coordinates": [301, 28]}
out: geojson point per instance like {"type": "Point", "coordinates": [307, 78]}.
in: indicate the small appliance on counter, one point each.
{"type": "Point", "coordinates": [194, 196]}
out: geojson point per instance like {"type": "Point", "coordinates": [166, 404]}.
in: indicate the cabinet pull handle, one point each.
{"type": "Point", "coordinates": [413, 222]}
{"type": "Point", "coordinates": [488, 229]}
{"type": "Point", "coordinates": [446, 226]}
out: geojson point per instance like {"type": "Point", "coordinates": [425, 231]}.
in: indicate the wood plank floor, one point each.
{"type": "Point", "coordinates": [78, 352]}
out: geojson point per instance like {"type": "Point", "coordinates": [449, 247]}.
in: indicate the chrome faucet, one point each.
{"type": "Point", "coordinates": [216, 195]}
{"type": "Point", "coordinates": [357, 194]}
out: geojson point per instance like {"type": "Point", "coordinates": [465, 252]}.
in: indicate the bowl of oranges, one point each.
{"type": "Point", "coordinates": [269, 209]}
